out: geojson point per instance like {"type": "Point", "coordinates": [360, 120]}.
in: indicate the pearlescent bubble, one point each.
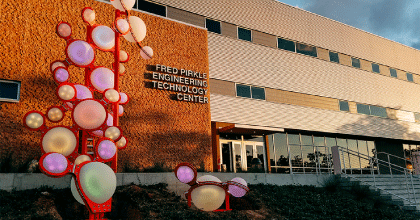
{"type": "Point", "coordinates": [89, 16]}
{"type": "Point", "coordinates": [55, 163]}
{"type": "Point", "coordinates": [98, 133]}
{"type": "Point", "coordinates": [89, 114]}
{"type": "Point", "coordinates": [63, 30]}
{"type": "Point", "coordinates": [80, 53]}
{"type": "Point", "coordinates": [103, 37]}
{"type": "Point", "coordinates": [55, 114]}
{"type": "Point", "coordinates": [59, 140]}
{"type": "Point", "coordinates": [83, 92]}
{"type": "Point", "coordinates": [98, 181]}
{"type": "Point", "coordinates": [236, 190]}
{"type": "Point", "coordinates": [61, 75]}
{"type": "Point", "coordinates": [123, 56]}
{"type": "Point", "coordinates": [127, 3]}
{"type": "Point", "coordinates": [121, 68]}
{"type": "Point", "coordinates": [123, 26]}
{"type": "Point", "coordinates": [102, 78]}
{"type": "Point", "coordinates": [208, 197]}
{"type": "Point", "coordinates": [81, 158]}
{"type": "Point", "coordinates": [112, 132]}
{"type": "Point", "coordinates": [138, 28]}
{"type": "Point", "coordinates": [185, 174]}
{"type": "Point", "coordinates": [74, 191]}
{"type": "Point", "coordinates": [66, 92]}
{"type": "Point", "coordinates": [122, 142]}
{"type": "Point", "coordinates": [110, 120]}
{"type": "Point", "coordinates": [124, 98]}
{"type": "Point", "coordinates": [57, 64]}
{"type": "Point", "coordinates": [120, 109]}
{"type": "Point", "coordinates": [146, 52]}
{"type": "Point", "coordinates": [106, 149]}
{"type": "Point", "coordinates": [112, 95]}
{"type": "Point", "coordinates": [34, 120]}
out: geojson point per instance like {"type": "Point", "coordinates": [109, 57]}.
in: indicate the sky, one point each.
{"type": "Point", "coordinates": [397, 20]}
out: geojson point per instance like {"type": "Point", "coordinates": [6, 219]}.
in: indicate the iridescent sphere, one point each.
{"type": "Point", "coordinates": [98, 181]}
{"type": "Point", "coordinates": [138, 29]}
{"type": "Point", "coordinates": [103, 37]}
{"type": "Point", "coordinates": [123, 56]}
{"type": "Point", "coordinates": [106, 149]}
{"type": "Point", "coordinates": [80, 53]}
{"type": "Point", "coordinates": [122, 26]}
{"type": "Point", "coordinates": [112, 95]}
{"type": "Point", "coordinates": [61, 75]}
{"type": "Point", "coordinates": [121, 68]}
{"type": "Point", "coordinates": [66, 92]}
{"type": "Point", "coordinates": [34, 120]}
{"type": "Point", "coordinates": [102, 78]}
{"type": "Point", "coordinates": [185, 174]}
{"type": "Point", "coordinates": [124, 98]}
{"type": "Point", "coordinates": [83, 92]}
{"type": "Point", "coordinates": [59, 140]}
{"type": "Point", "coordinates": [236, 190]}
{"type": "Point", "coordinates": [120, 109]}
{"type": "Point", "coordinates": [208, 197]}
{"type": "Point", "coordinates": [75, 192]}
{"type": "Point", "coordinates": [81, 158]}
{"type": "Point", "coordinates": [89, 114]}
{"type": "Point", "coordinates": [64, 30]}
{"type": "Point", "coordinates": [56, 64]}
{"type": "Point", "coordinates": [55, 114]}
{"type": "Point", "coordinates": [89, 15]}
{"type": "Point", "coordinates": [146, 52]}
{"type": "Point", "coordinates": [113, 133]}
{"type": "Point", "coordinates": [55, 163]}
{"type": "Point", "coordinates": [122, 142]}
{"type": "Point", "coordinates": [127, 3]}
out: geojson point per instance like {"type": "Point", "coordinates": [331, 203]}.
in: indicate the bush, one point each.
{"type": "Point", "coordinates": [332, 183]}
{"type": "Point", "coordinates": [158, 167]}
{"type": "Point", "coordinates": [360, 191]}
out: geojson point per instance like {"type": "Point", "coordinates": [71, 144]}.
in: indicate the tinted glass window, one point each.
{"type": "Point", "coordinates": [378, 111]}
{"type": "Point", "coordinates": [355, 62]}
{"type": "Point", "coordinates": [375, 68]}
{"type": "Point", "coordinates": [213, 26]}
{"type": "Point", "coordinates": [393, 73]}
{"type": "Point", "coordinates": [150, 7]}
{"type": "Point", "coordinates": [417, 117]}
{"type": "Point", "coordinates": [258, 93]}
{"type": "Point", "coordinates": [244, 34]}
{"type": "Point", "coordinates": [9, 90]}
{"type": "Point", "coordinates": [243, 91]}
{"type": "Point", "coordinates": [286, 44]}
{"type": "Point", "coordinates": [363, 109]}
{"type": "Point", "coordinates": [344, 106]}
{"type": "Point", "coordinates": [334, 57]}
{"type": "Point", "coordinates": [410, 77]}
{"type": "Point", "coordinates": [306, 49]}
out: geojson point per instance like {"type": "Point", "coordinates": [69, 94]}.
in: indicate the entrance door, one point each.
{"type": "Point", "coordinates": [254, 155]}
{"type": "Point", "coordinates": [238, 156]}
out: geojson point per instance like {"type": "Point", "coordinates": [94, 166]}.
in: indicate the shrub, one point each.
{"type": "Point", "coordinates": [332, 183]}
{"type": "Point", "coordinates": [360, 191]}
{"type": "Point", "coordinates": [158, 167]}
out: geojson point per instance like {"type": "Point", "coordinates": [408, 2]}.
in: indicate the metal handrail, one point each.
{"type": "Point", "coordinates": [410, 189]}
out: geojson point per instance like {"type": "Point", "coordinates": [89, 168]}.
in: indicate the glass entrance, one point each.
{"type": "Point", "coordinates": [242, 156]}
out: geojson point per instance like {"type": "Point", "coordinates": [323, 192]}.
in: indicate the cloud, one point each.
{"type": "Point", "coordinates": [393, 19]}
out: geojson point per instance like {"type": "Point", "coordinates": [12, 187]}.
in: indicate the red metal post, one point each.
{"type": "Point", "coordinates": [116, 81]}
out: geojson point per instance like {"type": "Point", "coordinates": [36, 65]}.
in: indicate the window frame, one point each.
{"type": "Point", "coordinates": [316, 51]}
{"type": "Point", "coordinates": [294, 45]}
{"type": "Point", "coordinates": [373, 70]}
{"type": "Point", "coordinates": [250, 91]}
{"type": "Point", "coordinates": [220, 25]}
{"type": "Point", "coordinates": [390, 73]}
{"type": "Point", "coordinates": [338, 57]}
{"type": "Point", "coordinates": [19, 83]}
{"type": "Point", "coordinates": [339, 105]}
{"type": "Point", "coordinates": [258, 88]}
{"type": "Point", "coordinates": [237, 33]}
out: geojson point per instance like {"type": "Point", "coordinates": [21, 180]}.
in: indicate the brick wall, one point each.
{"type": "Point", "coordinates": [158, 128]}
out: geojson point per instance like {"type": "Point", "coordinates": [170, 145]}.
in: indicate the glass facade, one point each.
{"type": "Point", "coordinates": [150, 7]}
{"type": "Point", "coordinates": [375, 67]}
{"type": "Point", "coordinates": [306, 49]}
{"type": "Point", "coordinates": [301, 153]}
{"type": "Point", "coordinates": [286, 44]}
{"type": "Point", "coordinates": [410, 77]}
{"type": "Point", "coordinates": [213, 26]}
{"type": "Point", "coordinates": [393, 73]}
{"type": "Point", "coordinates": [244, 34]}
{"type": "Point", "coordinates": [355, 62]}
{"type": "Point", "coordinates": [344, 106]}
{"type": "Point", "coordinates": [334, 57]}
{"type": "Point", "coordinates": [9, 91]}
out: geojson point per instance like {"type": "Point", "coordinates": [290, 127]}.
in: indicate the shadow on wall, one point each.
{"type": "Point", "coordinates": [389, 132]}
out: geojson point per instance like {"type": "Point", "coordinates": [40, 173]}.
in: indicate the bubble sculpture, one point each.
{"type": "Point", "coordinates": [65, 148]}
{"type": "Point", "coordinates": [207, 192]}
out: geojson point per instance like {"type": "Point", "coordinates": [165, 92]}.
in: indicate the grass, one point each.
{"type": "Point", "coordinates": [156, 202]}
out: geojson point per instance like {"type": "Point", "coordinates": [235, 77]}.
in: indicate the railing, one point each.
{"type": "Point", "coordinates": [343, 159]}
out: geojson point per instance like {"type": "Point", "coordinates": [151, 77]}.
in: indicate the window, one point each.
{"type": "Point", "coordinates": [355, 62]}
{"type": "Point", "coordinates": [151, 7]}
{"type": "Point", "coordinates": [244, 34]}
{"type": "Point", "coordinates": [378, 111]}
{"type": "Point", "coordinates": [306, 49]}
{"type": "Point", "coordinates": [417, 116]}
{"type": "Point", "coordinates": [334, 57]}
{"type": "Point", "coordinates": [213, 26]}
{"type": "Point", "coordinates": [286, 44]}
{"type": "Point", "coordinates": [410, 77]}
{"type": "Point", "coordinates": [243, 91]}
{"type": "Point", "coordinates": [257, 93]}
{"type": "Point", "coordinates": [375, 67]}
{"type": "Point", "coordinates": [363, 109]}
{"type": "Point", "coordinates": [344, 106]}
{"type": "Point", "coordinates": [9, 91]}
{"type": "Point", "coordinates": [250, 92]}
{"type": "Point", "coordinates": [371, 110]}
{"type": "Point", "coordinates": [393, 72]}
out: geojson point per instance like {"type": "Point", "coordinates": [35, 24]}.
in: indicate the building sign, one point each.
{"type": "Point", "coordinates": [190, 86]}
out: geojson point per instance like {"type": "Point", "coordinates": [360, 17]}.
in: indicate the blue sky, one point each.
{"type": "Point", "coordinates": [397, 20]}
